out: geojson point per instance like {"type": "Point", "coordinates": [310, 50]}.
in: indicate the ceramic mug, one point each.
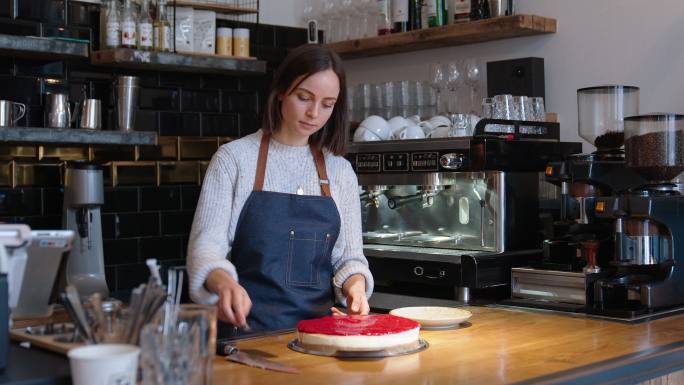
{"type": "Point", "coordinates": [362, 134]}
{"type": "Point", "coordinates": [378, 126]}
{"type": "Point", "coordinates": [412, 132]}
{"type": "Point", "coordinates": [397, 124]}
{"type": "Point", "coordinates": [440, 132]}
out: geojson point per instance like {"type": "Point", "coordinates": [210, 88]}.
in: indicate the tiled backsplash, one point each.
{"type": "Point", "coordinates": [139, 221]}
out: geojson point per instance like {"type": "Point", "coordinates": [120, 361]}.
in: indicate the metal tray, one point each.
{"type": "Point", "coordinates": [422, 345]}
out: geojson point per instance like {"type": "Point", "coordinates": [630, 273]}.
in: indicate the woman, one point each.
{"type": "Point", "coordinates": [283, 205]}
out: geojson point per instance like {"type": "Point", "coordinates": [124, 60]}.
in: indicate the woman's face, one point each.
{"type": "Point", "coordinates": [308, 106]}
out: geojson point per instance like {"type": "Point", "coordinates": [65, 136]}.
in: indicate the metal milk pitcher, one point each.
{"type": "Point", "coordinates": [58, 111]}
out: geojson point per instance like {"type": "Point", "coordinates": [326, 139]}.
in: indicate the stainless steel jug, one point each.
{"type": "Point", "coordinates": [58, 111]}
{"type": "Point", "coordinates": [8, 115]}
{"type": "Point", "coordinates": [91, 114]}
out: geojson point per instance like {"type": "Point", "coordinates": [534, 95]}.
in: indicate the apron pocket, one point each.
{"type": "Point", "coordinates": [306, 251]}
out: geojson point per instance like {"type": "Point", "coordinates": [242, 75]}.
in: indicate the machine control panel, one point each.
{"type": "Point", "coordinates": [424, 161]}
{"type": "Point", "coordinates": [395, 161]}
{"type": "Point", "coordinates": [368, 163]}
{"type": "Point", "coordinates": [412, 161]}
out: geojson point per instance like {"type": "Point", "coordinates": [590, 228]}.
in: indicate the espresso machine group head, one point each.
{"type": "Point", "coordinates": [648, 226]}
{"type": "Point", "coordinates": [83, 198]}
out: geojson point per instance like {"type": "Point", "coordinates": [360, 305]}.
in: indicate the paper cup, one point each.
{"type": "Point", "coordinates": [104, 364]}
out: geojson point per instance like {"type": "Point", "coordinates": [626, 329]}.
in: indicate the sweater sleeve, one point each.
{"type": "Point", "coordinates": [347, 255]}
{"type": "Point", "coordinates": [208, 245]}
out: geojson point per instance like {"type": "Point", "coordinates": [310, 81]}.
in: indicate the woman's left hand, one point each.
{"type": "Point", "coordinates": [354, 288]}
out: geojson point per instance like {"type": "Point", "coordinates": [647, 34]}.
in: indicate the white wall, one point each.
{"type": "Point", "coordinates": [280, 12]}
{"type": "Point", "coordinates": [632, 42]}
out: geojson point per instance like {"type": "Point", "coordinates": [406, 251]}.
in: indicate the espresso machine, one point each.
{"type": "Point", "coordinates": [578, 246]}
{"type": "Point", "coordinates": [447, 218]}
{"type": "Point", "coordinates": [83, 197]}
{"type": "Point", "coordinates": [647, 278]}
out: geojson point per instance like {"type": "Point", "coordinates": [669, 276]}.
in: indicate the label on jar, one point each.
{"type": "Point", "coordinates": [128, 33]}
{"type": "Point", "coordinates": [145, 35]}
{"type": "Point", "coordinates": [241, 46]}
{"type": "Point", "coordinates": [113, 34]}
{"type": "Point", "coordinates": [162, 38]}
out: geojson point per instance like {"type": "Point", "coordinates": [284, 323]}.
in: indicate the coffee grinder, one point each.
{"type": "Point", "coordinates": [577, 245]}
{"type": "Point", "coordinates": [83, 197]}
{"type": "Point", "coordinates": [648, 227]}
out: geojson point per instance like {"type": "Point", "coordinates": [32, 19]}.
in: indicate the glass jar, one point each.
{"type": "Point", "coordinates": [601, 112]}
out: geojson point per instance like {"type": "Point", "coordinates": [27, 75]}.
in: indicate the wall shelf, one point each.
{"type": "Point", "coordinates": [167, 61]}
{"type": "Point", "coordinates": [219, 8]}
{"type": "Point", "coordinates": [451, 35]}
{"type": "Point", "coordinates": [33, 136]}
{"type": "Point", "coordinates": [32, 47]}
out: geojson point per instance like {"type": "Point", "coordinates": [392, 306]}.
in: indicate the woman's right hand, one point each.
{"type": "Point", "coordinates": [234, 303]}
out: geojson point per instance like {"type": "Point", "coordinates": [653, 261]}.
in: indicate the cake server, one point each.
{"type": "Point", "coordinates": [236, 355]}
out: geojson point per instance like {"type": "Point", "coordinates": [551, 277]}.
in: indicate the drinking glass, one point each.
{"type": "Point", "coordinates": [460, 125]}
{"type": "Point", "coordinates": [472, 78]}
{"type": "Point", "coordinates": [488, 108]}
{"type": "Point", "coordinates": [437, 82]}
{"type": "Point", "coordinates": [453, 80]}
{"type": "Point", "coordinates": [503, 109]}
{"type": "Point", "coordinates": [538, 110]}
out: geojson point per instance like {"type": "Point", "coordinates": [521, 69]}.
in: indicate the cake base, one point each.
{"type": "Point", "coordinates": [320, 350]}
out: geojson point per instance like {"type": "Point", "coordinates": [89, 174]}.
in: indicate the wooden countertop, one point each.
{"type": "Point", "coordinates": [501, 346]}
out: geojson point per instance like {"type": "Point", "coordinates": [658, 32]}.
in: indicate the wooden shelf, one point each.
{"type": "Point", "coordinates": [166, 61]}
{"type": "Point", "coordinates": [33, 136]}
{"type": "Point", "coordinates": [32, 47]}
{"type": "Point", "coordinates": [219, 8]}
{"type": "Point", "coordinates": [451, 35]}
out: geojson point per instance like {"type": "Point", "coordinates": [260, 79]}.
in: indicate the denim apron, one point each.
{"type": "Point", "coordinates": [282, 249]}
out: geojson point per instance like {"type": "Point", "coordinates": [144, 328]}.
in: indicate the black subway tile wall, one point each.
{"type": "Point", "coordinates": [138, 221]}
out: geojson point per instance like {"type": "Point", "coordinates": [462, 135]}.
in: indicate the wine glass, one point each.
{"type": "Point", "coordinates": [453, 79]}
{"type": "Point", "coordinates": [472, 79]}
{"type": "Point", "coordinates": [437, 80]}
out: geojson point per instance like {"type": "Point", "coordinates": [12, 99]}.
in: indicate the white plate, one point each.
{"type": "Point", "coordinates": [433, 316]}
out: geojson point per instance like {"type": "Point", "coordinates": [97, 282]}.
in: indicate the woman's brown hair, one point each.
{"type": "Point", "coordinates": [299, 64]}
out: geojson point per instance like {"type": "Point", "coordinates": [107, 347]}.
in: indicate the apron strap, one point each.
{"type": "Point", "coordinates": [320, 167]}
{"type": "Point", "coordinates": [261, 163]}
{"type": "Point", "coordinates": [263, 157]}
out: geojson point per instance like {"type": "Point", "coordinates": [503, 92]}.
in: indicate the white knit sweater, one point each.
{"type": "Point", "coordinates": [227, 185]}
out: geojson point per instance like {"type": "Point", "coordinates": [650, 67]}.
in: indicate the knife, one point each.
{"type": "Point", "coordinates": [234, 354]}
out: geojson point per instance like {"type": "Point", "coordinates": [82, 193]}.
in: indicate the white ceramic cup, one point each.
{"type": "Point", "coordinates": [412, 132]}
{"type": "Point", "coordinates": [104, 364]}
{"type": "Point", "coordinates": [397, 124]}
{"type": "Point", "coordinates": [440, 132]}
{"type": "Point", "coordinates": [415, 119]}
{"type": "Point", "coordinates": [426, 126]}
{"type": "Point", "coordinates": [378, 126]}
{"type": "Point", "coordinates": [362, 134]}
{"type": "Point", "coordinates": [440, 120]}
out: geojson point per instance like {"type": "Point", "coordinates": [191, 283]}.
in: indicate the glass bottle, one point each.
{"type": "Point", "coordinates": [400, 16]}
{"type": "Point", "coordinates": [112, 30]}
{"type": "Point", "coordinates": [162, 29]}
{"type": "Point", "coordinates": [415, 14]}
{"type": "Point", "coordinates": [128, 26]}
{"type": "Point", "coordinates": [462, 10]}
{"type": "Point", "coordinates": [145, 27]}
{"type": "Point", "coordinates": [384, 19]}
{"type": "Point", "coordinates": [436, 13]}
